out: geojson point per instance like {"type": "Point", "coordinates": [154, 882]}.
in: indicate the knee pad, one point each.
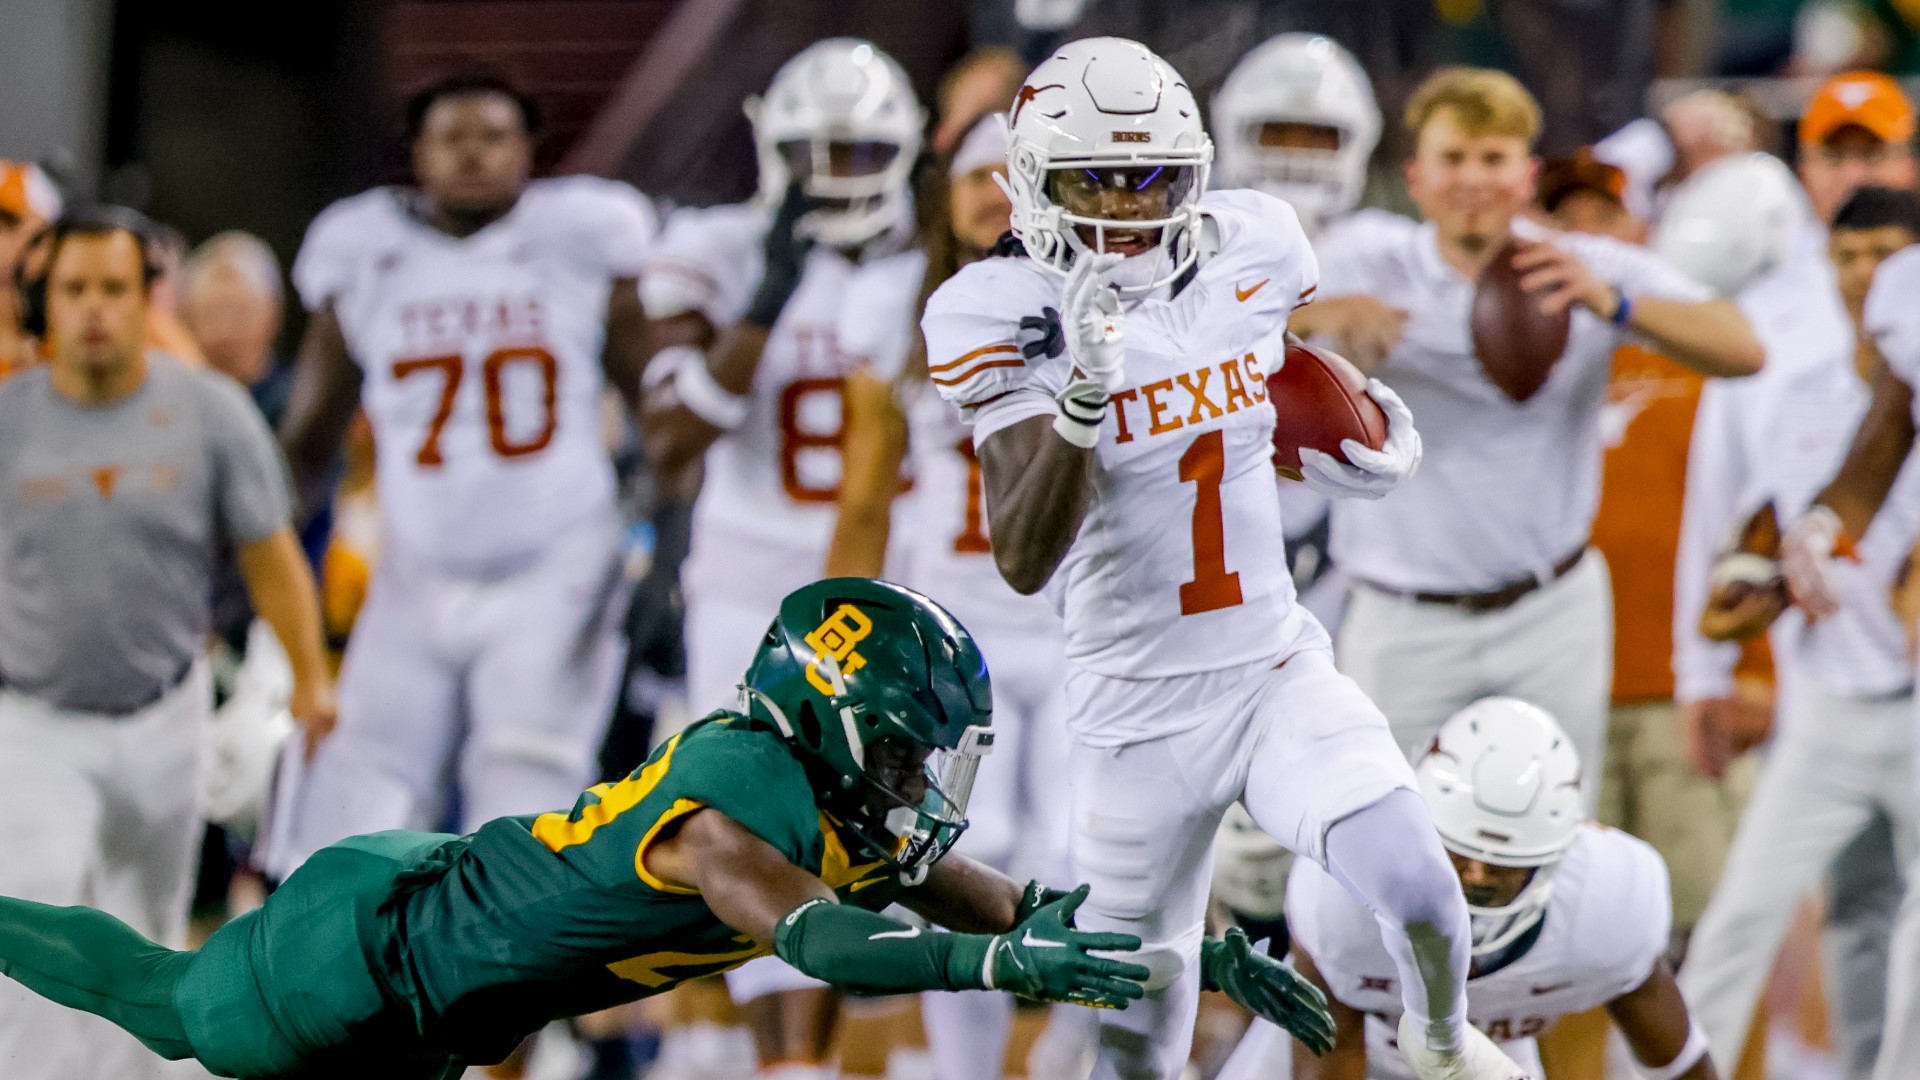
{"type": "Point", "coordinates": [1165, 961]}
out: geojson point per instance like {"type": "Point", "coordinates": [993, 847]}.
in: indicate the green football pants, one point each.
{"type": "Point", "coordinates": [283, 992]}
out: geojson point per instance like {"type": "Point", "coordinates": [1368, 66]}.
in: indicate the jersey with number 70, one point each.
{"type": "Point", "coordinates": [1179, 566]}
{"type": "Point", "coordinates": [480, 359]}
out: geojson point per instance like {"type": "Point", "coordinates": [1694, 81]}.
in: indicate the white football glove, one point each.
{"type": "Point", "coordinates": [1372, 473]}
{"type": "Point", "coordinates": [1806, 555]}
{"type": "Point", "coordinates": [1090, 312]}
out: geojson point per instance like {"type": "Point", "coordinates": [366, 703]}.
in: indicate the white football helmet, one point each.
{"type": "Point", "coordinates": [1105, 103]}
{"type": "Point", "coordinates": [1732, 221]}
{"type": "Point", "coordinates": [1502, 781]}
{"type": "Point", "coordinates": [1298, 79]}
{"type": "Point", "coordinates": [844, 99]}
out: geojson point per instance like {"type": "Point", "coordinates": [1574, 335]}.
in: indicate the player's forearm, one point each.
{"type": "Point", "coordinates": [1038, 487]}
{"type": "Point", "coordinates": [320, 408]}
{"type": "Point", "coordinates": [856, 950]}
{"type": "Point", "coordinates": [281, 586]}
{"type": "Point", "coordinates": [624, 355]}
{"type": "Point", "coordinates": [1879, 448]}
{"type": "Point", "coordinates": [870, 457]}
{"type": "Point", "coordinates": [972, 897]}
{"type": "Point", "coordinates": [1713, 338]}
{"type": "Point", "coordinates": [699, 395]}
{"type": "Point", "coordinates": [1653, 1018]}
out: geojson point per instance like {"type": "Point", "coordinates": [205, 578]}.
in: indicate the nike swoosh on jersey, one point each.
{"type": "Point", "coordinates": [1241, 294]}
{"type": "Point", "coordinates": [1032, 942]}
{"type": "Point", "coordinates": [909, 932]}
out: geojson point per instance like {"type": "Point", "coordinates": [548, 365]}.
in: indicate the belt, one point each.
{"type": "Point", "coordinates": [1498, 599]}
{"type": "Point", "coordinates": [147, 701]}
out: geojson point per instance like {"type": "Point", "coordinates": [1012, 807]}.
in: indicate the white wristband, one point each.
{"type": "Point", "coordinates": [703, 397]}
{"type": "Point", "coordinates": [1687, 1058]}
{"type": "Point", "coordinates": [1078, 432]}
{"type": "Point", "coordinates": [986, 966]}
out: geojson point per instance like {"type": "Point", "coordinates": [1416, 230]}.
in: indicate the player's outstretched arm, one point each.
{"type": "Point", "coordinates": [1879, 447]}
{"type": "Point", "coordinates": [320, 407]}
{"type": "Point", "coordinates": [1663, 1037]}
{"type": "Point", "coordinates": [750, 886]}
{"type": "Point", "coordinates": [875, 443]}
{"type": "Point", "coordinates": [1038, 486]}
{"type": "Point", "coordinates": [1348, 1058]}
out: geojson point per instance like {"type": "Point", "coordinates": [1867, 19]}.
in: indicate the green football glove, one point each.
{"type": "Point", "coordinates": [1266, 987]}
{"type": "Point", "coordinates": [1034, 897]}
{"type": "Point", "coordinates": [1044, 958]}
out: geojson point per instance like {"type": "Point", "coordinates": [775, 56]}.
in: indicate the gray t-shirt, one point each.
{"type": "Point", "coordinates": [111, 519]}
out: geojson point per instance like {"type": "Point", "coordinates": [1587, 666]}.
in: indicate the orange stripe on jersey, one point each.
{"type": "Point", "coordinates": [990, 350]}
{"type": "Point", "coordinates": [1308, 295]}
{"type": "Point", "coordinates": [684, 271]}
{"type": "Point", "coordinates": [955, 380]}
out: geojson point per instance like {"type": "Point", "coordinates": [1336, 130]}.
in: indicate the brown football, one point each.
{"type": "Point", "coordinates": [1320, 400]}
{"type": "Point", "coordinates": [1517, 345]}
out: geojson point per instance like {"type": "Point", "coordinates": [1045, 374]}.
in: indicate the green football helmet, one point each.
{"type": "Point", "coordinates": [881, 693]}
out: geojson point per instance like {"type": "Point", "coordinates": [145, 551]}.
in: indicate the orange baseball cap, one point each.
{"type": "Point", "coordinates": [1867, 99]}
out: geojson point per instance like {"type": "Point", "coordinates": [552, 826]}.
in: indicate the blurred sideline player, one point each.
{"type": "Point", "coordinates": [1567, 916]}
{"type": "Point", "coordinates": [478, 319]}
{"type": "Point", "coordinates": [1650, 787]}
{"type": "Point", "coordinates": [1843, 753]}
{"type": "Point", "coordinates": [1019, 810]}
{"type": "Point", "coordinates": [1110, 362]}
{"type": "Point", "coordinates": [748, 305]}
{"type": "Point", "coordinates": [1857, 129]}
{"type": "Point", "coordinates": [28, 201]}
{"type": "Point", "coordinates": [1476, 578]}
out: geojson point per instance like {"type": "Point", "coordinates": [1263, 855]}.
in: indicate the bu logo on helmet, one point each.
{"type": "Point", "coordinates": [838, 637]}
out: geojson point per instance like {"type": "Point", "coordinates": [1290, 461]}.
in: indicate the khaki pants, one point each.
{"type": "Point", "coordinates": [1651, 790]}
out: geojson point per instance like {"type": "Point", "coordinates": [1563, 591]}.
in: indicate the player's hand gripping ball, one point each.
{"type": "Point", "coordinates": [1320, 402]}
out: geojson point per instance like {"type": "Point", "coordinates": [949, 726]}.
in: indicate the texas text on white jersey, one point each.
{"type": "Point", "coordinates": [1605, 928]}
{"type": "Point", "coordinates": [1180, 565]}
{"type": "Point", "coordinates": [771, 483]}
{"type": "Point", "coordinates": [941, 539]}
{"type": "Point", "coordinates": [480, 359]}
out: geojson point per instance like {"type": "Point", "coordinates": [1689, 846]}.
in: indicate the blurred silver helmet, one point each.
{"type": "Point", "coordinates": [1302, 79]}
{"type": "Point", "coordinates": [1732, 221]}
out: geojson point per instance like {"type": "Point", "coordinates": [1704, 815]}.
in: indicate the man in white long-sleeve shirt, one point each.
{"type": "Point", "coordinates": [1843, 753]}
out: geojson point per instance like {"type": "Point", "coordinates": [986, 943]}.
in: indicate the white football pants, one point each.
{"type": "Point", "coordinates": [1305, 751]}
{"type": "Point", "coordinates": [1421, 663]}
{"type": "Point", "coordinates": [492, 695]}
{"type": "Point", "coordinates": [102, 811]}
{"type": "Point", "coordinates": [1835, 764]}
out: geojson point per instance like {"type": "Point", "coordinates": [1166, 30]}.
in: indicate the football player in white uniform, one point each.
{"type": "Point", "coordinates": [1017, 818]}
{"type": "Point", "coordinates": [1567, 916]}
{"type": "Point", "coordinates": [477, 319]}
{"type": "Point", "coordinates": [1115, 372]}
{"type": "Point", "coordinates": [750, 306]}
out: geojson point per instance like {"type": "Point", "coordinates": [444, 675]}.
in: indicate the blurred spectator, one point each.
{"type": "Point", "coordinates": [984, 81]}
{"type": "Point", "coordinates": [1858, 129]}
{"type": "Point", "coordinates": [164, 330]}
{"type": "Point", "coordinates": [28, 200]}
{"type": "Point", "coordinates": [231, 302]}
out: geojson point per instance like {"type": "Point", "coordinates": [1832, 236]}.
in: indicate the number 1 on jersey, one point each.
{"type": "Point", "coordinates": [1213, 587]}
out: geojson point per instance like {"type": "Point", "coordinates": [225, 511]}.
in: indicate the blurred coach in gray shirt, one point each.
{"type": "Point", "coordinates": [121, 471]}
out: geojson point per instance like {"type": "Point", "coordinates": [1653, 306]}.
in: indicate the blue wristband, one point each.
{"type": "Point", "coordinates": [1623, 310]}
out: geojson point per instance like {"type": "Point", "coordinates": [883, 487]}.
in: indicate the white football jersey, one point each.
{"type": "Point", "coordinates": [1179, 566]}
{"type": "Point", "coordinates": [772, 483]}
{"type": "Point", "coordinates": [1506, 489]}
{"type": "Point", "coordinates": [940, 528]}
{"type": "Point", "coordinates": [480, 359]}
{"type": "Point", "coordinates": [1892, 319]}
{"type": "Point", "coordinates": [1605, 928]}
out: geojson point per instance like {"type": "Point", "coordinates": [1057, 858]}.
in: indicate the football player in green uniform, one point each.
{"type": "Point", "coordinates": [833, 792]}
